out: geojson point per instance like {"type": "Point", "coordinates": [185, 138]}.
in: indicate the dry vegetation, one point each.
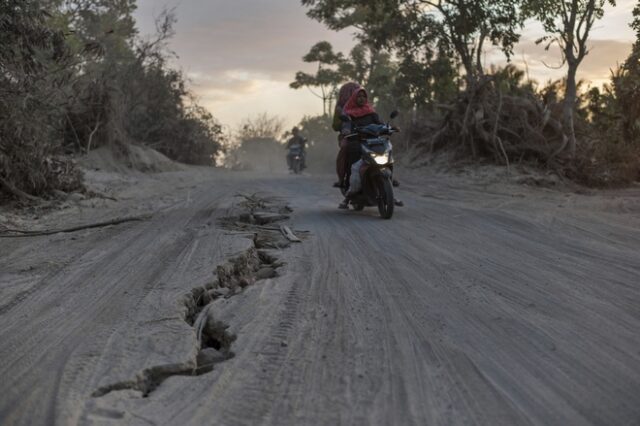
{"type": "Point", "coordinates": [424, 57]}
{"type": "Point", "coordinates": [75, 76]}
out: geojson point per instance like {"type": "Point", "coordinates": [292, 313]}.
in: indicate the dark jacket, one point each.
{"type": "Point", "coordinates": [297, 140]}
{"type": "Point", "coordinates": [365, 120]}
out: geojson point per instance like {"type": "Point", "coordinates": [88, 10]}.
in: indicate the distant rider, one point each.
{"type": "Point", "coordinates": [296, 139]}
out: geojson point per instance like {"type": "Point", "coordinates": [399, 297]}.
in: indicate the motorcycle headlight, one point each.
{"type": "Point", "coordinates": [381, 159]}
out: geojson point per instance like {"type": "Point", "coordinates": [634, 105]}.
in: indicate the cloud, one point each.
{"type": "Point", "coordinates": [226, 85]}
{"type": "Point", "coordinates": [241, 55]}
{"type": "Point", "coordinates": [266, 36]}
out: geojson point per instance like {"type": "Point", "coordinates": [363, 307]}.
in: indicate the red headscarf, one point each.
{"type": "Point", "coordinates": [345, 93]}
{"type": "Point", "coordinates": [355, 111]}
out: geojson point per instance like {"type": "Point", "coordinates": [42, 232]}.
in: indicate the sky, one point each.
{"type": "Point", "coordinates": [240, 55]}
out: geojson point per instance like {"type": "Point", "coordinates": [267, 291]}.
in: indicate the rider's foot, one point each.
{"type": "Point", "coordinates": [344, 204]}
{"type": "Point", "coordinates": [395, 183]}
{"type": "Point", "coordinates": [337, 185]}
{"type": "Point", "coordinates": [398, 202]}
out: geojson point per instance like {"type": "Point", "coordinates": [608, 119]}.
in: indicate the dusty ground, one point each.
{"type": "Point", "coordinates": [481, 302]}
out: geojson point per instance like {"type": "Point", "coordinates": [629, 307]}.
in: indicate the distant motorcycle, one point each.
{"type": "Point", "coordinates": [377, 173]}
{"type": "Point", "coordinates": [295, 158]}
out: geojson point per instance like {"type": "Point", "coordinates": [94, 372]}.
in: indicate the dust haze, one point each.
{"type": "Point", "coordinates": [268, 155]}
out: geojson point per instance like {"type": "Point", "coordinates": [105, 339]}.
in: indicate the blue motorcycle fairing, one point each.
{"type": "Point", "coordinates": [295, 150]}
{"type": "Point", "coordinates": [378, 145]}
{"type": "Point", "coordinates": [373, 129]}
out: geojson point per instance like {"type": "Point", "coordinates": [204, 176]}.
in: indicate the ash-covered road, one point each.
{"type": "Point", "coordinates": [470, 306]}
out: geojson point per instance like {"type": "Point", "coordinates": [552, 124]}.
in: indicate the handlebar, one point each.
{"type": "Point", "coordinates": [358, 130]}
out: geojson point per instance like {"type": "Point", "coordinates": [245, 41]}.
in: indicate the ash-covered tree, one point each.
{"type": "Point", "coordinates": [100, 34]}
{"type": "Point", "coordinates": [427, 69]}
{"type": "Point", "coordinates": [568, 24]}
{"type": "Point", "coordinates": [374, 69]}
{"type": "Point", "coordinates": [34, 85]}
{"type": "Point", "coordinates": [466, 26]}
{"type": "Point", "coordinates": [375, 22]}
{"type": "Point", "coordinates": [626, 83]}
{"type": "Point", "coordinates": [324, 82]}
{"type": "Point", "coordinates": [126, 92]}
{"type": "Point", "coordinates": [610, 151]}
{"type": "Point", "coordinates": [445, 32]}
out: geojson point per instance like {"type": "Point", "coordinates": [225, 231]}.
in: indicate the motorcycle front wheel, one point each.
{"type": "Point", "coordinates": [385, 198]}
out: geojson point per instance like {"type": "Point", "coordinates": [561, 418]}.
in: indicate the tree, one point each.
{"type": "Point", "coordinates": [327, 76]}
{"type": "Point", "coordinates": [423, 80]}
{"type": "Point", "coordinates": [425, 31]}
{"type": "Point", "coordinates": [262, 126]}
{"type": "Point", "coordinates": [34, 82]}
{"type": "Point", "coordinates": [377, 22]}
{"type": "Point", "coordinates": [125, 90]}
{"type": "Point", "coordinates": [626, 84]}
{"type": "Point", "coordinates": [568, 24]}
{"type": "Point", "coordinates": [101, 35]}
{"type": "Point", "coordinates": [357, 66]}
{"type": "Point", "coordinates": [464, 26]}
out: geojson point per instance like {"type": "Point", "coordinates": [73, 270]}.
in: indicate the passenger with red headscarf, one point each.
{"type": "Point", "coordinates": [345, 93]}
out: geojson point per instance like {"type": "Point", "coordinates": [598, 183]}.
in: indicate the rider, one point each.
{"type": "Point", "coordinates": [296, 139]}
{"type": "Point", "coordinates": [361, 114]}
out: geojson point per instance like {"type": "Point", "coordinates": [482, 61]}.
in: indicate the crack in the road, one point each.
{"type": "Point", "coordinates": [235, 275]}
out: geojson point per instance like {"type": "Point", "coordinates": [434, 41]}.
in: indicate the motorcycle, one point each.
{"type": "Point", "coordinates": [377, 173]}
{"type": "Point", "coordinates": [295, 157]}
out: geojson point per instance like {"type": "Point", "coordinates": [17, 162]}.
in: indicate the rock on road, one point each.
{"type": "Point", "coordinates": [468, 307]}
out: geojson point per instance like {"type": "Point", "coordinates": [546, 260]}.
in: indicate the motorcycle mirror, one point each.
{"type": "Point", "coordinates": [345, 117]}
{"type": "Point", "coordinates": [394, 114]}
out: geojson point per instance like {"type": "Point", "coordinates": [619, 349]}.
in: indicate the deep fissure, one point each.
{"type": "Point", "coordinates": [232, 278]}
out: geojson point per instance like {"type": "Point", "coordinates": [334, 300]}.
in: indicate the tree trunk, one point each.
{"type": "Point", "coordinates": [469, 68]}
{"type": "Point", "coordinates": [481, 39]}
{"type": "Point", "coordinates": [569, 109]}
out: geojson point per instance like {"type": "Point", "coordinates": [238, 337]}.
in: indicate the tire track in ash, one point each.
{"type": "Point", "coordinates": [69, 321]}
{"type": "Point", "coordinates": [479, 315]}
